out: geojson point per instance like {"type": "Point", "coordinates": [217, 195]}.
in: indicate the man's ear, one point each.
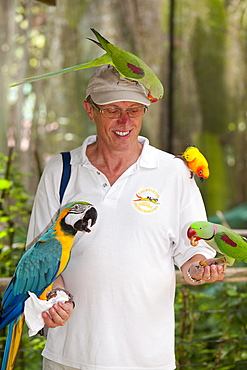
{"type": "Point", "coordinates": [89, 109]}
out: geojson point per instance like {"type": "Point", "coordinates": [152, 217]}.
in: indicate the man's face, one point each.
{"type": "Point", "coordinates": [118, 134]}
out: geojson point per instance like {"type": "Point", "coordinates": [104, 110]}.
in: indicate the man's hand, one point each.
{"type": "Point", "coordinates": [59, 313]}
{"type": "Point", "coordinates": [192, 270]}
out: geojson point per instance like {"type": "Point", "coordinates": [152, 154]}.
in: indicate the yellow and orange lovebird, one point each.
{"type": "Point", "coordinates": [196, 162]}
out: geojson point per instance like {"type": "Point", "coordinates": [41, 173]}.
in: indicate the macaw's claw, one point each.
{"type": "Point", "coordinates": [53, 294]}
{"type": "Point", "coordinates": [212, 261]}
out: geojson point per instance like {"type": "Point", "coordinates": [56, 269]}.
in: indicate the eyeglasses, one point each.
{"type": "Point", "coordinates": [114, 113]}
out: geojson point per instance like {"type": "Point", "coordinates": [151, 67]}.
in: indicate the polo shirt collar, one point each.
{"type": "Point", "coordinates": [147, 159]}
{"type": "Point", "coordinates": [149, 156]}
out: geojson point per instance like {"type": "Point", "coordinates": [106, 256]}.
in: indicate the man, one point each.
{"type": "Point", "coordinates": [122, 274]}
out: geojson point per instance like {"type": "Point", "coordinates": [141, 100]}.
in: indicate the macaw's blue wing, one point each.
{"type": "Point", "coordinates": [12, 343]}
{"type": "Point", "coordinates": [36, 270]}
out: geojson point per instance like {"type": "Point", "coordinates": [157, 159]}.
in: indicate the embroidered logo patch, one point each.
{"type": "Point", "coordinates": [146, 200]}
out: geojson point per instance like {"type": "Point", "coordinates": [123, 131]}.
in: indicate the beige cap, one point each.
{"type": "Point", "coordinates": [105, 86]}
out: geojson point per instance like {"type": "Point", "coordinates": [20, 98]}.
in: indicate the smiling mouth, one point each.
{"type": "Point", "coordinates": [122, 133]}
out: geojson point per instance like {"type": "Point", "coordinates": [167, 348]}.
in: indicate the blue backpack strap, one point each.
{"type": "Point", "coordinates": [65, 175]}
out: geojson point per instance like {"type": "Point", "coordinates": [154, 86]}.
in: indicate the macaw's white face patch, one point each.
{"type": "Point", "coordinates": [146, 200]}
{"type": "Point", "coordinates": [77, 214]}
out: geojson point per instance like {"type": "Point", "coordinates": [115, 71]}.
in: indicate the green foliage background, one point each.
{"type": "Point", "coordinates": [15, 207]}
{"type": "Point", "coordinates": [211, 327]}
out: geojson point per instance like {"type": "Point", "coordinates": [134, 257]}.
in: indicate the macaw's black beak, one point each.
{"type": "Point", "coordinates": [83, 224]}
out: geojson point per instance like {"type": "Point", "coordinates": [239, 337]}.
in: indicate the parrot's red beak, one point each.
{"type": "Point", "coordinates": [152, 99]}
{"type": "Point", "coordinates": [192, 235]}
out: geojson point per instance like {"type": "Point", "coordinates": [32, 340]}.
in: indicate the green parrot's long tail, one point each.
{"type": "Point", "coordinates": [103, 59]}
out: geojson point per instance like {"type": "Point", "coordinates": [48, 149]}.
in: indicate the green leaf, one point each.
{"type": "Point", "coordinates": [3, 233]}
{"type": "Point", "coordinates": [4, 219]}
{"type": "Point", "coordinates": [5, 184]}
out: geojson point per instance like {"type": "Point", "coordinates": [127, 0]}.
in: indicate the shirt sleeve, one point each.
{"type": "Point", "coordinates": [46, 203]}
{"type": "Point", "coordinates": [192, 209]}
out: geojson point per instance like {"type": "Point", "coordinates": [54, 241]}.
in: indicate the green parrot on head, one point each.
{"type": "Point", "coordinates": [127, 64]}
{"type": "Point", "coordinates": [223, 240]}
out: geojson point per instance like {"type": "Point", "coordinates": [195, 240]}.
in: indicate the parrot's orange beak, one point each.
{"type": "Point", "coordinates": [192, 235]}
{"type": "Point", "coordinates": [152, 99]}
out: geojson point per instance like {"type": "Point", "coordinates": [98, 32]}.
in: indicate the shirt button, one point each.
{"type": "Point", "coordinates": [104, 185]}
{"type": "Point", "coordinates": [98, 173]}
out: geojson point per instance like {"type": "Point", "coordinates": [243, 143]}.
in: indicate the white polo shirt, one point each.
{"type": "Point", "coordinates": [122, 274]}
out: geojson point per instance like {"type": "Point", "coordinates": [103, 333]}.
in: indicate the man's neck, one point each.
{"type": "Point", "coordinates": [112, 163]}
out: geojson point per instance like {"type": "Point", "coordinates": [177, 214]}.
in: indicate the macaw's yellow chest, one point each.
{"type": "Point", "coordinates": [66, 241]}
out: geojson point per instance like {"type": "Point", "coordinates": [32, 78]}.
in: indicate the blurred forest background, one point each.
{"type": "Point", "coordinates": [197, 48]}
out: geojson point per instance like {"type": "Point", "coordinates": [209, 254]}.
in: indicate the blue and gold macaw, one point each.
{"type": "Point", "coordinates": [38, 268]}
